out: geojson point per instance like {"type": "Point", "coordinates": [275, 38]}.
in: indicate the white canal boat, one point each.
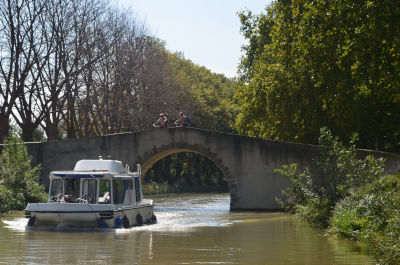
{"type": "Point", "coordinates": [96, 193]}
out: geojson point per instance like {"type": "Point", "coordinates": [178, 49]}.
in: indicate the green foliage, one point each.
{"type": "Point", "coordinates": [18, 180]}
{"type": "Point", "coordinates": [211, 105]}
{"type": "Point", "coordinates": [300, 189]}
{"type": "Point", "coordinates": [307, 201]}
{"type": "Point", "coordinates": [7, 200]}
{"type": "Point", "coordinates": [157, 188]}
{"type": "Point", "coordinates": [310, 64]}
{"type": "Point", "coordinates": [164, 188]}
{"type": "Point", "coordinates": [343, 171]}
{"type": "Point", "coordinates": [349, 217]}
{"type": "Point", "coordinates": [372, 214]}
{"type": "Point", "coordinates": [315, 211]}
{"type": "Point", "coordinates": [342, 168]}
{"type": "Point", "coordinates": [357, 201]}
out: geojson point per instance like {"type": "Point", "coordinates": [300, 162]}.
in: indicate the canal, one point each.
{"type": "Point", "coordinates": [191, 229]}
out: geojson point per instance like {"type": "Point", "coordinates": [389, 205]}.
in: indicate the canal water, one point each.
{"type": "Point", "coordinates": [191, 229]}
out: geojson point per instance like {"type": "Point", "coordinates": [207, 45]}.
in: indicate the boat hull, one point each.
{"type": "Point", "coordinates": [89, 215]}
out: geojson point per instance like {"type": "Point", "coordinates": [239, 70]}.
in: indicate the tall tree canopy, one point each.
{"type": "Point", "coordinates": [310, 64]}
{"type": "Point", "coordinates": [80, 68]}
{"type": "Point", "coordinates": [206, 96]}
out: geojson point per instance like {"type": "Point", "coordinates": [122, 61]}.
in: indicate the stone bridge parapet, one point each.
{"type": "Point", "coordinates": [247, 163]}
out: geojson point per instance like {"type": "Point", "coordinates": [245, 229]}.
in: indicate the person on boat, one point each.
{"type": "Point", "coordinates": [182, 120]}
{"type": "Point", "coordinates": [71, 190]}
{"type": "Point", "coordinates": [162, 121]}
{"type": "Point", "coordinates": [57, 198]}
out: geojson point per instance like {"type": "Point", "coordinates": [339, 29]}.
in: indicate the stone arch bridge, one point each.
{"type": "Point", "coordinates": [247, 163]}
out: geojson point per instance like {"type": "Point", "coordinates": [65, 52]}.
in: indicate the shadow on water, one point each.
{"type": "Point", "coordinates": [191, 229]}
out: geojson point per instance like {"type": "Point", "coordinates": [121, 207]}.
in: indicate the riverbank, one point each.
{"type": "Point", "coordinates": [372, 215]}
{"type": "Point", "coordinates": [12, 214]}
{"type": "Point", "coordinates": [359, 202]}
{"type": "Point", "coordinates": [369, 215]}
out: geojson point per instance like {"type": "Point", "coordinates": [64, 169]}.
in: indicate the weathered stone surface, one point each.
{"type": "Point", "coordinates": [247, 163]}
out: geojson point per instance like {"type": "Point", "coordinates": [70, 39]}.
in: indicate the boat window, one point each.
{"type": "Point", "coordinates": [56, 190]}
{"type": "Point", "coordinates": [123, 191]}
{"type": "Point", "coordinates": [104, 191]}
{"type": "Point", "coordinates": [137, 189]}
{"type": "Point", "coordinates": [129, 191]}
{"type": "Point", "coordinates": [71, 193]}
{"type": "Point", "coordinates": [119, 191]}
{"type": "Point", "coordinates": [89, 190]}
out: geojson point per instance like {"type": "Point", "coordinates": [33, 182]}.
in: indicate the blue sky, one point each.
{"type": "Point", "coordinates": [205, 31]}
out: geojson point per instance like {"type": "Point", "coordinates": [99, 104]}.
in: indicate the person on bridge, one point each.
{"type": "Point", "coordinates": [162, 122]}
{"type": "Point", "coordinates": [182, 121]}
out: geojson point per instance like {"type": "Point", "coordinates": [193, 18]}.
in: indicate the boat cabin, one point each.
{"type": "Point", "coordinates": [96, 182]}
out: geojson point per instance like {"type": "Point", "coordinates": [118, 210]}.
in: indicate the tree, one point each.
{"type": "Point", "coordinates": [205, 96]}
{"type": "Point", "coordinates": [20, 48]}
{"type": "Point", "coordinates": [19, 182]}
{"type": "Point", "coordinates": [310, 64]}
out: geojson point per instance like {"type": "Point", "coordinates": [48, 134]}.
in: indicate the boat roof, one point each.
{"type": "Point", "coordinates": [112, 166]}
{"type": "Point", "coordinates": [91, 174]}
{"type": "Point", "coordinates": [74, 174]}
{"type": "Point", "coordinates": [96, 169]}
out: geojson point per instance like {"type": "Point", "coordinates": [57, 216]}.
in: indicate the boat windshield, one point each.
{"type": "Point", "coordinates": [71, 189]}
{"type": "Point", "coordinates": [89, 190]}
{"type": "Point", "coordinates": [56, 187]}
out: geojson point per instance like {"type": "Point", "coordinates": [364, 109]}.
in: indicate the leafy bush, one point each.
{"type": "Point", "coordinates": [6, 199]}
{"type": "Point", "coordinates": [342, 168]}
{"type": "Point", "coordinates": [349, 217]}
{"type": "Point", "coordinates": [302, 197]}
{"type": "Point", "coordinates": [18, 180]}
{"type": "Point", "coordinates": [156, 188]}
{"type": "Point", "coordinates": [315, 211]}
{"type": "Point", "coordinates": [358, 202]}
{"type": "Point", "coordinates": [344, 173]}
{"type": "Point", "coordinates": [372, 215]}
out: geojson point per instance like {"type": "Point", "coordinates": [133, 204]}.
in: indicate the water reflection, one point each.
{"type": "Point", "coordinates": [192, 229]}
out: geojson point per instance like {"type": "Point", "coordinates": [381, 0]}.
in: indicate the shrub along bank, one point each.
{"type": "Point", "coordinates": [358, 201]}
{"type": "Point", "coordinates": [19, 182]}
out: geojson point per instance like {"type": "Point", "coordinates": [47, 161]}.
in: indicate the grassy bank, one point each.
{"type": "Point", "coordinates": [359, 201]}
{"type": "Point", "coordinates": [372, 215]}
{"type": "Point", "coordinates": [163, 188]}
{"type": "Point", "coordinates": [12, 214]}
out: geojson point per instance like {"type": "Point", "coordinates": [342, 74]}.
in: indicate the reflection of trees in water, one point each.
{"type": "Point", "coordinates": [187, 170]}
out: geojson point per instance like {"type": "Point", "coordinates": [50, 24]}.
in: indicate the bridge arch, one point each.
{"type": "Point", "coordinates": [156, 153]}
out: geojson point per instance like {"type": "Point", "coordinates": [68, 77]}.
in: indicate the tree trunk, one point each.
{"type": "Point", "coordinates": [27, 133]}
{"type": "Point", "coordinates": [52, 131]}
{"type": "Point", "coordinates": [4, 128]}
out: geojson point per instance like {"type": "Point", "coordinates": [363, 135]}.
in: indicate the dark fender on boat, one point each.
{"type": "Point", "coordinates": [125, 221]}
